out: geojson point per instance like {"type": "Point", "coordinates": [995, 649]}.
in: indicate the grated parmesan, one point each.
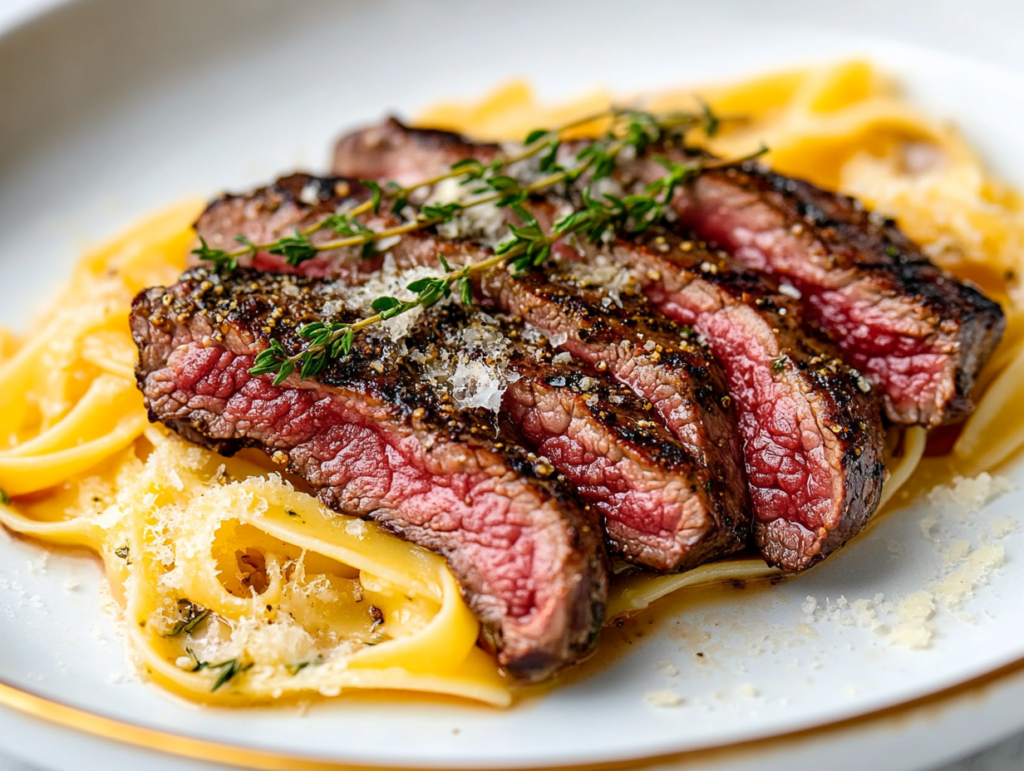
{"type": "Point", "coordinates": [966, 495]}
{"type": "Point", "coordinates": [473, 367]}
{"type": "Point", "coordinates": [390, 282]}
{"type": "Point", "coordinates": [599, 273]}
{"type": "Point", "coordinates": [663, 698]}
{"type": "Point", "coordinates": [483, 222]}
{"type": "Point", "coordinates": [915, 627]}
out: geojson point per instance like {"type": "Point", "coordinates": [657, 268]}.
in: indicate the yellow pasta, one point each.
{"type": "Point", "coordinates": [846, 127]}
{"type": "Point", "coordinates": [236, 588]}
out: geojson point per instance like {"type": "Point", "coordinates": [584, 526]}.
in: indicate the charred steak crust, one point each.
{"type": "Point", "coordinates": [919, 335]}
{"type": "Point", "coordinates": [374, 441]}
{"type": "Point", "coordinates": [679, 378]}
{"type": "Point", "coordinates": [679, 382]}
{"type": "Point", "coordinates": [812, 434]}
{"type": "Point", "coordinates": [811, 427]}
{"type": "Point", "coordinates": [916, 333]}
{"type": "Point", "coordinates": [600, 436]}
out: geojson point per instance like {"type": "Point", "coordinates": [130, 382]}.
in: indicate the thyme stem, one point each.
{"type": "Point", "coordinates": [529, 245]}
{"type": "Point", "coordinates": [229, 259]}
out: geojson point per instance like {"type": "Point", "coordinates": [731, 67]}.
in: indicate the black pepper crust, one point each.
{"type": "Point", "coordinates": [852, 409]}
{"type": "Point", "coordinates": [260, 306]}
{"type": "Point", "coordinates": [272, 305]}
{"type": "Point", "coordinates": [242, 312]}
{"type": "Point", "coordinates": [841, 405]}
{"type": "Point", "coordinates": [712, 445]}
{"type": "Point", "coordinates": [635, 319]}
{"type": "Point", "coordinates": [859, 239]}
{"type": "Point", "coordinates": [844, 402]}
{"type": "Point", "coordinates": [865, 248]}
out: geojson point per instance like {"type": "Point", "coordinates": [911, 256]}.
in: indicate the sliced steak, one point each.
{"type": "Point", "coordinates": [599, 435]}
{"type": "Point", "coordinates": [375, 439]}
{"type": "Point", "coordinates": [918, 335]}
{"type": "Point", "coordinates": [678, 378]}
{"type": "Point", "coordinates": [392, 150]}
{"type": "Point", "coordinates": [812, 436]}
{"type": "Point", "coordinates": [811, 429]}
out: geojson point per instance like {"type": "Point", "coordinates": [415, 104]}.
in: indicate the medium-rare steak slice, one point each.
{"type": "Point", "coordinates": [598, 434]}
{"type": "Point", "coordinates": [677, 376]}
{"type": "Point", "coordinates": [812, 438]}
{"type": "Point", "coordinates": [918, 335]}
{"type": "Point", "coordinates": [376, 439]}
{"type": "Point", "coordinates": [811, 428]}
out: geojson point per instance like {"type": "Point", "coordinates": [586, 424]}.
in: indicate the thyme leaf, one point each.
{"type": "Point", "coordinates": [228, 669]}
{"type": "Point", "coordinates": [295, 249]}
{"type": "Point", "coordinates": [224, 262]}
{"type": "Point", "coordinates": [527, 245]}
{"type": "Point", "coordinates": [193, 616]}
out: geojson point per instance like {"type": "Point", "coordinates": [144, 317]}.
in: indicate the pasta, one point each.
{"type": "Point", "coordinates": [237, 587]}
{"type": "Point", "coordinates": [846, 127]}
{"type": "Point", "coordinates": [221, 567]}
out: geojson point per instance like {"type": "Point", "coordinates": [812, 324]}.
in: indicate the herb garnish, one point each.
{"type": "Point", "coordinates": [298, 248]}
{"type": "Point", "coordinates": [297, 666]}
{"type": "Point", "coordinates": [527, 245]}
{"type": "Point", "coordinates": [3, 497]}
{"type": "Point", "coordinates": [228, 669]}
{"type": "Point", "coordinates": [193, 616]}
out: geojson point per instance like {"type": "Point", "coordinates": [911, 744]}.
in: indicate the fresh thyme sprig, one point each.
{"type": "Point", "coordinates": [298, 247]}
{"type": "Point", "coordinates": [527, 245]}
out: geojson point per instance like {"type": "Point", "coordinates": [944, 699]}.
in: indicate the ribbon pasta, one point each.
{"type": "Point", "coordinates": [235, 587]}
{"type": "Point", "coordinates": [238, 588]}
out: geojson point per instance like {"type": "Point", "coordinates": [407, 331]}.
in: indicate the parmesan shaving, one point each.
{"type": "Point", "coordinates": [483, 222]}
{"type": "Point", "coordinates": [473, 365]}
{"type": "Point", "coordinates": [387, 282]}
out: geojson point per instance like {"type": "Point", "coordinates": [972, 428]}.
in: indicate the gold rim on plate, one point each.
{"type": "Point", "coordinates": [57, 713]}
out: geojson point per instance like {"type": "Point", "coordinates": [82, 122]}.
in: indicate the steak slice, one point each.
{"type": "Point", "coordinates": [675, 377]}
{"type": "Point", "coordinates": [811, 428]}
{"type": "Point", "coordinates": [812, 435]}
{"type": "Point", "coordinates": [376, 440]}
{"type": "Point", "coordinates": [392, 150]}
{"type": "Point", "coordinates": [703, 510]}
{"type": "Point", "coordinates": [600, 436]}
{"type": "Point", "coordinates": [918, 335]}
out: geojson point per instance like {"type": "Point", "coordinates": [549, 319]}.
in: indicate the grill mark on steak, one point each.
{"type": "Point", "coordinates": [375, 441]}
{"type": "Point", "coordinates": [812, 436]}
{"type": "Point", "coordinates": [919, 335]}
{"type": "Point", "coordinates": [679, 378]}
{"type": "Point", "coordinates": [600, 436]}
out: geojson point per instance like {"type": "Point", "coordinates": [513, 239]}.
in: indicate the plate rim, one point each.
{"type": "Point", "coordinates": [126, 733]}
{"type": "Point", "coordinates": [120, 732]}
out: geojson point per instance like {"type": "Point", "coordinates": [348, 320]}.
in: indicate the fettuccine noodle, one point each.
{"type": "Point", "coordinates": [237, 588]}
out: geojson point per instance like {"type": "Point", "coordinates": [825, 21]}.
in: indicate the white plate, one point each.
{"type": "Point", "coordinates": [114, 107]}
